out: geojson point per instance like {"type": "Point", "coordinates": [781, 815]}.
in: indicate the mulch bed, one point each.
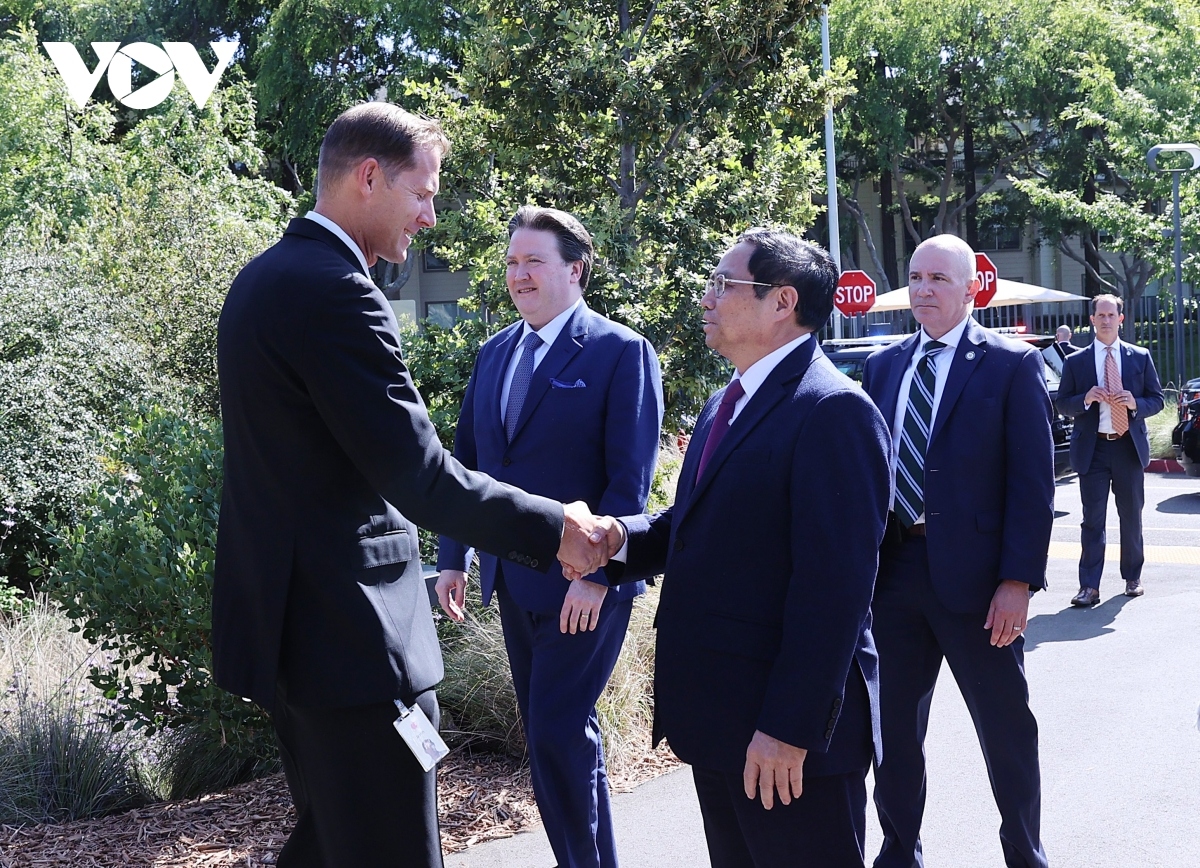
{"type": "Point", "coordinates": [480, 797]}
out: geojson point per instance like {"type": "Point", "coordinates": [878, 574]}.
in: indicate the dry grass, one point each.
{"type": "Point", "coordinates": [1160, 426]}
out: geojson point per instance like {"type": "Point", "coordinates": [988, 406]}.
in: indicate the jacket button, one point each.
{"type": "Point", "coordinates": [837, 702]}
{"type": "Point", "coordinates": [513, 556]}
{"type": "Point", "coordinates": [506, 462]}
{"type": "Point", "coordinates": [678, 545]}
{"type": "Point", "coordinates": [533, 563]}
{"type": "Point", "coordinates": [828, 734]}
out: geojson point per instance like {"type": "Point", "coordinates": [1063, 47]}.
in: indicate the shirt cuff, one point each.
{"type": "Point", "coordinates": [623, 554]}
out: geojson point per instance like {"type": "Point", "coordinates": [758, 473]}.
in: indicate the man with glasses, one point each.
{"type": "Point", "coordinates": [765, 670]}
{"type": "Point", "coordinates": [973, 462]}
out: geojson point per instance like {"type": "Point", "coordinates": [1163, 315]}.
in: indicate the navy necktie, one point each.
{"type": "Point", "coordinates": [914, 437]}
{"type": "Point", "coordinates": [720, 425]}
{"type": "Point", "coordinates": [522, 376]}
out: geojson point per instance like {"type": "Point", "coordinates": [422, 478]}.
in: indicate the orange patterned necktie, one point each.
{"type": "Point", "coordinates": [1112, 382]}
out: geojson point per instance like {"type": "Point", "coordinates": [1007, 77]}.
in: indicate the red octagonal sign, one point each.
{"type": "Point", "coordinates": [855, 293]}
{"type": "Point", "coordinates": [985, 271]}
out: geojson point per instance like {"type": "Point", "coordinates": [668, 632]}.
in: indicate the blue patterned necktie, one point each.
{"type": "Point", "coordinates": [914, 438]}
{"type": "Point", "coordinates": [522, 376]}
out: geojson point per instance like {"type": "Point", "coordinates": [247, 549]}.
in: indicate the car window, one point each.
{"type": "Point", "coordinates": [852, 368]}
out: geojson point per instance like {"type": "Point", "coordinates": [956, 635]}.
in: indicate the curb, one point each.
{"type": "Point", "coordinates": [1164, 465]}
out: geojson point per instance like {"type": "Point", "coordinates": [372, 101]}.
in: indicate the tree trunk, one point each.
{"type": "Point", "coordinates": [972, 217]}
{"type": "Point", "coordinates": [887, 236]}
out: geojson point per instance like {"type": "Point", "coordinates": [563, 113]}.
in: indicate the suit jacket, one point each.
{"type": "Point", "coordinates": [989, 465]}
{"type": "Point", "coordinates": [770, 559]}
{"type": "Point", "coordinates": [589, 430]}
{"type": "Point", "coordinates": [330, 458]}
{"type": "Point", "coordinates": [1079, 376]}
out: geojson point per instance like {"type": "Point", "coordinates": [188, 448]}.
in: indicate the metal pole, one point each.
{"type": "Point", "coordinates": [835, 236]}
{"type": "Point", "coordinates": [1179, 377]}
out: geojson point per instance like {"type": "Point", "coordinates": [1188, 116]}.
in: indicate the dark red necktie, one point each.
{"type": "Point", "coordinates": [733, 393]}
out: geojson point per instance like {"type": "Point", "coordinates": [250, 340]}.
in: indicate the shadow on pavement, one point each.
{"type": "Point", "coordinates": [1182, 504]}
{"type": "Point", "coordinates": [1072, 624]}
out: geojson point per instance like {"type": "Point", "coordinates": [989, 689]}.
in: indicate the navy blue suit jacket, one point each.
{"type": "Point", "coordinates": [989, 466]}
{"type": "Point", "coordinates": [330, 458]}
{"type": "Point", "coordinates": [589, 430]}
{"type": "Point", "coordinates": [770, 558]}
{"type": "Point", "coordinates": [1079, 376]}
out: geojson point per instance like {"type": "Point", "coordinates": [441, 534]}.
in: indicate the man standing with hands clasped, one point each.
{"type": "Point", "coordinates": [568, 404]}
{"type": "Point", "coordinates": [765, 670]}
{"type": "Point", "coordinates": [1111, 391]}
{"type": "Point", "coordinates": [967, 539]}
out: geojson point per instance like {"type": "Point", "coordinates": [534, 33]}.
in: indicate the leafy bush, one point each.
{"type": "Point", "coordinates": [136, 573]}
{"type": "Point", "coordinates": [59, 759]}
{"type": "Point", "coordinates": [65, 371]}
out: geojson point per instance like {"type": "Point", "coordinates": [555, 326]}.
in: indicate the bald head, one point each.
{"type": "Point", "coordinates": [961, 255]}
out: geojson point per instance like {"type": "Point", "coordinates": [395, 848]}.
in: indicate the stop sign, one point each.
{"type": "Point", "coordinates": [855, 293]}
{"type": "Point", "coordinates": [985, 272]}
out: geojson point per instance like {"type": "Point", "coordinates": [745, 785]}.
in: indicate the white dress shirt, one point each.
{"type": "Point", "coordinates": [1101, 355]}
{"type": "Point", "coordinates": [322, 220]}
{"type": "Point", "coordinates": [942, 364]}
{"type": "Point", "coordinates": [549, 334]}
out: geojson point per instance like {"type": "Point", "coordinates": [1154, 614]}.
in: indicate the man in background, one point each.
{"type": "Point", "coordinates": [1110, 390]}
{"type": "Point", "coordinates": [968, 536]}
{"type": "Point", "coordinates": [1063, 338]}
{"type": "Point", "coordinates": [568, 404]}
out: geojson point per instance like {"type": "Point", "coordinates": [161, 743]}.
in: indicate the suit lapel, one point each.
{"type": "Point", "coordinates": [889, 392]}
{"type": "Point", "coordinates": [967, 357]}
{"type": "Point", "coordinates": [569, 342]}
{"type": "Point", "coordinates": [769, 394]}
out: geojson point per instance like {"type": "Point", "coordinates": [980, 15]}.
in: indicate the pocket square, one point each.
{"type": "Point", "coordinates": [561, 384]}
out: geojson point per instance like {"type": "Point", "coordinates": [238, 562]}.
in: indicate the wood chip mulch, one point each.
{"type": "Point", "coordinates": [480, 797]}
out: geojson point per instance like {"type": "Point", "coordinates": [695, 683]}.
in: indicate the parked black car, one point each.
{"type": "Point", "coordinates": [849, 355]}
{"type": "Point", "coordinates": [1186, 436]}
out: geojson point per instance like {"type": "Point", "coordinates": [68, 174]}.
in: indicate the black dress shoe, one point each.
{"type": "Point", "coordinates": [1134, 588]}
{"type": "Point", "coordinates": [1086, 598]}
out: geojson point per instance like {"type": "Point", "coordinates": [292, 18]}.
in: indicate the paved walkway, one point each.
{"type": "Point", "coordinates": [1116, 691]}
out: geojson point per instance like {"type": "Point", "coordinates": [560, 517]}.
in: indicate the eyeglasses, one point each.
{"type": "Point", "coordinates": [716, 284]}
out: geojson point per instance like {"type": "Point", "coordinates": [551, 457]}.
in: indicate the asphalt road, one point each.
{"type": "Point", "coordinates": [1116, 690]}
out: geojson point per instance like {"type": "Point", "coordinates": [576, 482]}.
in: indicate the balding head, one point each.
{"type": "Point", "coordinates": [962, 255]}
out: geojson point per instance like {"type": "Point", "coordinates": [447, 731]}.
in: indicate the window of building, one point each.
{"type": "Point", "coordinates": [431, 262]}
{"type": "Point", "coordinates": [999, 237]}
{"type": "Point", "coordinates": [443, 313]}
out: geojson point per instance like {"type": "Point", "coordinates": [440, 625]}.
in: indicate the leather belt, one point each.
{"type": "Point", "coordinates": [1105, 436]}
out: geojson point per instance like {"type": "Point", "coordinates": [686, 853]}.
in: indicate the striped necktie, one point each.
{"type": "Point", "coordinates": [1112, 382]}
{"type": "Point", "coordinates": [519, 388]}
{"type": "Point", "coordinates": [914, 438]}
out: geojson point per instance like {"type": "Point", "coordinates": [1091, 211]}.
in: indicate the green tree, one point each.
{"type": "Point", "coordinates": [659, 123]}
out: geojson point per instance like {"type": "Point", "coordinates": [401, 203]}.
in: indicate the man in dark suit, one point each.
{"type": "Point", "coordinates": [765, 670]}
{"type": "Point", "coordinates": [320, 613]}
{"type": "Point", "coordinates": [585, 426]}
{"type": "Point", "coordinates": [973, 461]}
{"type": "Point", "coordinates": [1111, 391]}
{"type": "Point", "coordinates": [1063, 338]}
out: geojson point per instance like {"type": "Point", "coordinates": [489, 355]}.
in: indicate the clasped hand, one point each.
{"type": "Point", "coordinates": [588, 541]}
{"type": "Point", "coordinates": [1115, 398]}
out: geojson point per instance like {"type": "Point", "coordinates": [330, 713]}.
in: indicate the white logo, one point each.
{"type": "Point", "coordinates": [173, 57]}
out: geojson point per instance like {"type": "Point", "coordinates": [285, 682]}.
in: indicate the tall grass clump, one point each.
{"type": "Point", "coordinates": [59, 758]}
{"type": "Point", "coordinates": [1160, 425]}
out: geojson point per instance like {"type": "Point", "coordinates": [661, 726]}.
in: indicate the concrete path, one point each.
{"type": "Point", "coordinates": [1116, 690]}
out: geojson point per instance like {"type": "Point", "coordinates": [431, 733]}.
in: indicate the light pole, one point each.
{"type": "Point", "coordinates": [1152, 155]}
{"type": "Point", "coordinates": [835, 238]}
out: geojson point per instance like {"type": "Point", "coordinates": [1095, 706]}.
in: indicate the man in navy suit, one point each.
{"type": "Point", "coordinates": [1111, 392]}
{"type": "Point", "coordinates": [973, 463]}
{"type": "Point", "coordinates": [319, 611]}
{"type": "Point", "coordinates": [562, 402]}
{"type": "Point", "coordinates": [1063, 338]}
{"type": "Point", "coordinates": [765, 671]}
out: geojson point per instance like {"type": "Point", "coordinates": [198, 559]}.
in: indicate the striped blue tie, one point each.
{"type": "Point", "coordinates": [520, 384]}
{"type": "Point", "coordinates": [914, 438]}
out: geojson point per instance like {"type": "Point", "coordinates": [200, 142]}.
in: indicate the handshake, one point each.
{"type": "Point", "coordinates": [588, 541]}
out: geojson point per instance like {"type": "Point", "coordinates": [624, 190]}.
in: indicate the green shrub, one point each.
{"type": "Point", "coordinates": [59, 758]}
{"type": "Point", "coordinates": [136, 574]}
{"type": "Point", "coordinates": [65, 372]}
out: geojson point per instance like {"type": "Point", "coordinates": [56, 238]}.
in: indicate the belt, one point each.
{"type": "Point", "coordinates": [1105, 436]}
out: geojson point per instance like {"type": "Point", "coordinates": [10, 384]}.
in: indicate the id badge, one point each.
{"type": "Point", "coordinates": [420, 736]}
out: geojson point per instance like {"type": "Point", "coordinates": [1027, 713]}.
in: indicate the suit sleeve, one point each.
{"type": "Point", "coordinates": [359, 385]}
{"type": "Point", "coordinates": [1069, 400]}
{"type": "Point", "coordinates": [1029, 477]}
{"type": "Point", "coordinates": [839, 498]}
{"type": "Point", "coordinates": [649, 536]}
{"type": "Point", "coordinates": [1152, 400]}
{"type": "Point", "coordinates": [453, 555]}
